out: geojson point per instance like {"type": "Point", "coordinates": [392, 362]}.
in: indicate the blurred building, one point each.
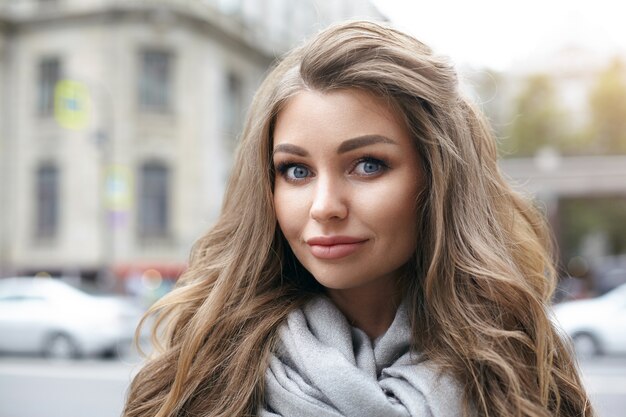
{"type": "Point", "coordinates": [583, 198]}
{"type": "Point", "coordinates": [572, 70]}
{"type": "Point", "coordinates": [557, 154]}
{"type": "Point", "coordinates": [118, 119]}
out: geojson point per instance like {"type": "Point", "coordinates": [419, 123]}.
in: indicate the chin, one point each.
{"type": "Point", "coordinates": [336, 283]}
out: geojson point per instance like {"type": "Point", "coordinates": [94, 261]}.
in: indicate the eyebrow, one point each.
{"type": "Point", "coordinates": [346, 146]}
{"type": "Point", "coordinates": [289, 148]}
{"type": "Point", "coordinates": [361, 141]}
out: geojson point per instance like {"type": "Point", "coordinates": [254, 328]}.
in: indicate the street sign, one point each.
{"type": "Point", "coordinates": [72, 104]}
{"type": "Point", "coordinates": [118, 188]}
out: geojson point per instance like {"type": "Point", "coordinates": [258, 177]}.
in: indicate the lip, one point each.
{"type": "Point", "coordinates": [334, 247]}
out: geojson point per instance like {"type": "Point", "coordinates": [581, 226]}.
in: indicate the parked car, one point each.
{"type": "Point", "coordinates": [596, 326]}
{"type": "Point", "coordinates": [50, 317]}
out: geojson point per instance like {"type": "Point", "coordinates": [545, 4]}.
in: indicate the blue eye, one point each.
{"type": "Point", "coordinates": [293, 172]}
{"type": "Point", "coordinates": [369, 166]}
{"type": "Point", "coordinates": [297, 171]}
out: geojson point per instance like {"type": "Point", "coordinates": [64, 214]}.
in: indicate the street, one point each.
{"type": "Point", "coordinates": [31, 387]}
{"type": "Point", "coordinates": [605, 379]}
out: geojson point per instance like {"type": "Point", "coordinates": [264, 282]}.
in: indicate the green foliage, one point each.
{"type": "Point", "coordinates": [607, 104]}
{"type": "Point", "coordinates": [580, 217]}
{"type": "Point", "coordinates": [487, 87]}
{"type": "Point", "coordinates": [538, 120]}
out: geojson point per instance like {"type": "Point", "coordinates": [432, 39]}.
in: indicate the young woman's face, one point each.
{"type": "Point", "coordinates": [347, 180]}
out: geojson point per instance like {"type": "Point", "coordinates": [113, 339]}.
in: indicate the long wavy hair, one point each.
{"type": "Point", "coordinates": [480, 283]}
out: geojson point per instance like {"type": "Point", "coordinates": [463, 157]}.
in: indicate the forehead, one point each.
{"type": "Point", "coordinates": [332, 117]}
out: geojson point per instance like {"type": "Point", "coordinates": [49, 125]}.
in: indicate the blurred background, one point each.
{"type": "Point", "coordinates": [119, 118]}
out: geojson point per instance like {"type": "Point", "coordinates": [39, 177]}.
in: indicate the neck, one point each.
{"type": "Point", "coordinates": [371, 309]}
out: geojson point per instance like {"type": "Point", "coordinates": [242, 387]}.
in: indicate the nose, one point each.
{"type": "Point", "coordinates": [329, 202]}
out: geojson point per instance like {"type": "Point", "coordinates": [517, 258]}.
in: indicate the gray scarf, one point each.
{"type": "Point", "coordinates": [323, 367]}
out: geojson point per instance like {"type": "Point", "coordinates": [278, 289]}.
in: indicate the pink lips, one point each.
{"type": "Point", "coordinates": [334, 247]}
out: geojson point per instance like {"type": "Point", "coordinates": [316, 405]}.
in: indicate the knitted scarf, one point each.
{"type": "Point", "coordinates": [323, 367]}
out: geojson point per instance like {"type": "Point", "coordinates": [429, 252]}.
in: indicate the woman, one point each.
{"type": "Point", "coordinates": [369, 259]}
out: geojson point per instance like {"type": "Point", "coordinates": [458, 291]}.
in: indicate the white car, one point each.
{"type": "Point", "coordinates": [596, 326]}
{"type": "Point", "coordinates": [50, 317]}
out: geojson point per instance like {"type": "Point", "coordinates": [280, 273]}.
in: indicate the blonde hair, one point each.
{"type": "Point", "coordinates": [481, 278]}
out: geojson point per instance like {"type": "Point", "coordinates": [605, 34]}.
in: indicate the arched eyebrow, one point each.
{"type": "Point", "coordinates": [346, 146]}
{"type": "Point", "coordinates": [361, 141]}
{"type": "Point", "coordinates": [289, 148]}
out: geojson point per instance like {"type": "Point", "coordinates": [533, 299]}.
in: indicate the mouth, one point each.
{"type": "Point", "coordinates": [334, 247]}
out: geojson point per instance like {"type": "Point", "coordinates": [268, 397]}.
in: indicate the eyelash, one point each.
{"type": "Point", "coordinates": [384, 166]}
{"type": "Point", "coordinates": [283, 167]}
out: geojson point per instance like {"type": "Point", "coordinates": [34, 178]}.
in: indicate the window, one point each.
{"type": "Point", "coordinates": [153, 216]}
{"type": "Point", "coordinates": [47, 200]}
{"type": "Point", "coordinates": [155, 81]}
{"type": "Point", "coordinates": [49, 74]}
{"type": "Point", "coordinates": [233, 108]}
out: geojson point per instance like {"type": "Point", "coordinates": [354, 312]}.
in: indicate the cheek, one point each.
{"type": "Point", "coordinates": [397, 225]}
{"type": "Point", "coordinates": [391, 205]}
{"type": "Point", "coordinates": [290, 210]}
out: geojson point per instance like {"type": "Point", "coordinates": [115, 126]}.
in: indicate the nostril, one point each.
{"type": "Point", "coordinates": [328, 201]}
{"type": "Point", "coordinates": [328, 211]}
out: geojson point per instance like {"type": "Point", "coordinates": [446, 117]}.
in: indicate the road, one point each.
{"type": "Point", "coordinates": [40, 388]}
{"type": "Point", "coordinates": [605, 380]}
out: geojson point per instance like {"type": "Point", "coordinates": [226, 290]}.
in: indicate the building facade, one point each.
{"type": "Point", "coordinates": [118, 121]}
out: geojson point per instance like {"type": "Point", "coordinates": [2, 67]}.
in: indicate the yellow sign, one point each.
{"type": "Point", "coordinates": [118, 188]}
{"type": "Point", "coordinates": [72, 104]}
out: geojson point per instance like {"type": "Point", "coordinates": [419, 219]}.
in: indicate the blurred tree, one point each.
{"type": "Point", "coordinates": [487, 87]}
{"type": "Point", "coordinates": [580, 217]}
{"type": "Point", "coordinates": [607, 103]}
{"type": "Point", "coordinates": [538, 120]}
